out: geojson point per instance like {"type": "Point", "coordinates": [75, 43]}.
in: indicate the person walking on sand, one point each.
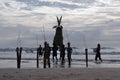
{"type": "Point", "coordinates": [98, 54]}
{"type": "Point", "coordinates": [69, 52]}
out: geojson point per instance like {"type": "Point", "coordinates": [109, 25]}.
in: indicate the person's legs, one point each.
{"type": "Point", "coordinates": [69, 60]}
{"type": "Point", "coordinates": [49, 62]}
{"type": "Point", "coordinates": [64, 58]}
{"type": "Point", "coordinates": [96, 57]}
{"type": "Point", "coordinates": [44, 62]}
{"type": "Point", "coordinates": [62, 61]}
{"type": "Point", "coordinates": [100, 58]}
{"type": "Point", "coordinates": [53, 57]}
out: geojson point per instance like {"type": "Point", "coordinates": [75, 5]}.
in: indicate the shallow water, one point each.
{"type": "Point", "coordinates": [8, 60]}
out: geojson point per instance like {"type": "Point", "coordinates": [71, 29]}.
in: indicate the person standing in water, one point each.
{"type": "Point", "coordinates": [62, 53]}
{"type": "Point", "coordinates": [39, 51]}
{"type": "Point", "coordinates": [46, 59]}
{"type": "Point", "coordinates": [54, 49]}
{"type": "Point", "coordinates": [69, 52]}
{"type": "Point", "coordinates": [98, 54]}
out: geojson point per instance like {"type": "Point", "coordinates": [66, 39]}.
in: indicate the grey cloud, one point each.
{"type": "Point", "coordinates": [50, 4]}
{"type": "Point", "coordinates": [92, 24]}
{"type": "Point", "coordinates": [96, 34]}
{"type": "Point", "coordinates": [83, 1]}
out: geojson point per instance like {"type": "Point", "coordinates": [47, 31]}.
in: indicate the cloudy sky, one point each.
{"type": "Point", "coordinates": [85, 22]}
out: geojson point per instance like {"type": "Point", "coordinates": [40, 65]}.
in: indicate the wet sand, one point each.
{"type": "Point", "coordinates": [61, 74]}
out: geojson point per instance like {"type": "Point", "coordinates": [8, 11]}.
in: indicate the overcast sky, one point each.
{"type": "Point", "coordinates": [85, 22]}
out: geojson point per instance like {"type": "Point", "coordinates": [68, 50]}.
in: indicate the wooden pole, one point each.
{"type": "Point", "coordinates": [86, 53]}
{"type": "Point", "coordinates": [17, 60]}
{"type": "Point", "coordinates": [37, 60]}
{"type": "Point", "coordinates": [18, 57]}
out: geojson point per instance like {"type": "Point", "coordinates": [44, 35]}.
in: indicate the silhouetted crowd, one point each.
{"type": "Point", "coordinates": [46, 51]}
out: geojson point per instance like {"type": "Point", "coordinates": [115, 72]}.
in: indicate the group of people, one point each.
{"type": "Point", "coordinates": [47, 50]}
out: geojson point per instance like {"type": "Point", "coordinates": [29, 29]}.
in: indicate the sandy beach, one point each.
{"type": "Point", "coordinates": [61, 74]}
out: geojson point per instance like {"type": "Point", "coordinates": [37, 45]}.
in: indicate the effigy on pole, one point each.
{"type": "Point", "coordinates": [58, 38]}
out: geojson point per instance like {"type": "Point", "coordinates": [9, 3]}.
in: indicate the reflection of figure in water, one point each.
{"type": "Point", "coordinates": [19, 52]}
{"type": "Point", "coordinates": [46, 59]}
{"type": "Point", "coordinates": [98, 54]}
{"type": "Point", "coordinates": [69, 52]}
{"type": "Point", "coordinates": [58, 38]}
{"type": "Point", "coordinates": [54, 49]}
{"type": "Point", "coordinates": [62, 53]}
{"type": "Point", "coordinates": [39, 51]}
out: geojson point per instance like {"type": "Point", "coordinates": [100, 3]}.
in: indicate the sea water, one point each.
{"type": "Point", "coordinates": [111, 59]}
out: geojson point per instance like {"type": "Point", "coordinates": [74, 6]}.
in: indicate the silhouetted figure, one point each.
{"type": "Point", "coordinates": [19, 52]}
{"type": "Point", "coordinates": [69, 52]}
{"type": "Point", "coordinates": [54, 49]}
{"type": "Point", "coordinates": [58, 38]}
{"type": "Point", "coordinates": [39, 51]}
{"type": "Point", "coordinates": [46, 59]}
{"type": "Point", "coordinates": [62, 53]}
{"type": "Point", "coordinates": [98, 54]}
